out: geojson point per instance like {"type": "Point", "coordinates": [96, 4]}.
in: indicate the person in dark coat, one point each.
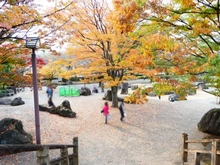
{"type": "Point", "coordinates": [122, 110]}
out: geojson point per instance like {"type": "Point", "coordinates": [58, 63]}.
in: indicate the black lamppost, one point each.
{"type": "Point", "coordinates": [34, 43]}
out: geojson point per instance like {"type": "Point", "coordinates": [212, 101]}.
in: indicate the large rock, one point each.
{"type": "Point", "coordinates": [62, 110]}
{"type": "Point", "coordinates": [173, 97]}
{"type": "Point", "coordinates": [17, 101]}
{"type": "Point", "coordinates": [124, 89]}
{"type": "Point", "coordinates": [11, 132]}
{"type": "Point", "coordinates": [65, 104]}
{"type": "Point", "coordinates": [210, 122]}
{"type": "Point", "coordinates": [13, 88]}
{"type": "Point", "coordinates": [108, 95]}
{"type": "Point", "coordinates": [85, 91]}
{"type": "Point", "coordinates": [152, 94]}
{"type": "Point", "coordinates": [5, 101]}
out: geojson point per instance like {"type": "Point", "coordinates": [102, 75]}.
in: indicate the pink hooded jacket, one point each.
{"type": "Point", "coordinates": [105, 109]}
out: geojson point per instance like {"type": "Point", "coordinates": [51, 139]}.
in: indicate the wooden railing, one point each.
{"type": "Point", "coordinates": [214, 151]}
{"type": "Point", "coordinates": [42, 152]}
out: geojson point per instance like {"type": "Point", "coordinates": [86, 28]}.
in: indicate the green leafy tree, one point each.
{"type": "Point", "coordinates": [213, 76]}
{"type": "Point", "coordinates": [193, 31]}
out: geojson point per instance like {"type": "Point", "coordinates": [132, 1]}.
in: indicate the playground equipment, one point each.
{"type": "Point", "coordinates": [69, 91]}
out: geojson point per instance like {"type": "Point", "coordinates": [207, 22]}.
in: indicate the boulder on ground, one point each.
{"type": "Point", "coordinates": [108, 95]}
{"type": "Point", "coordinates": [17, 101]}
{"type": "Point", "coordinates": [62, 110]}
{"type": "Point", "coordinates": [209, 123]}
{"type": "Point", "coordinates": [5, 101]}
{"type": "Point", "coordinates": [124, 89]}
{"type": "Point", "coordinates": [173, 97]}
{"type": "Point", "coordinates": [65, 104]}
{"type": "Point", "coordinates": [11, 132]}
{"type": "Point", "coordinates": [13, 88]}
{"type": "Point", "coordinates": [152, 94]}
{"type": "Point", "coordinates": [134, 86]}
{"type": "Point", "coordinates": [85, 91]}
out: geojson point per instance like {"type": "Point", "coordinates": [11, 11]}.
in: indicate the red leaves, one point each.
{"type": "Point", "coordinates": [40, 62]}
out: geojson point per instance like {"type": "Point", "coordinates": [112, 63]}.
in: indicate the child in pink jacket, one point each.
{"type": "Point", "coordinates": [106, 111]}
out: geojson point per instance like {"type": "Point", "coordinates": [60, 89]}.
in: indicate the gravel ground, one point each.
{"type": "Point", "coordinates": [150, 135]}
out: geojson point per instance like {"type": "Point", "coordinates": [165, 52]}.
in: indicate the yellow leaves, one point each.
{"type": "Point", "coordinates": [202, 28]}
{"type": "Point", "coordinates": [15, 15]}
{"type": "Point", "coordinates": [141, 61]}
{"type": "Point", "coordinates": [65, 62]}
{"type": "Point", "coordinates": [192, 20]}
{"type": "Point", "coordinates": [125, 15]}
{"type": "Point", "coordinates": [175, 17]}
{"type": "Point", "coordinates": [192, 78]}
{"type": "Point", "coordinates": [187, 3]}
{"type": "Point", "coordinates": [50, 70]}
{"type": "Point", "coordinates": [65, 75]}
{"type": "Point", "coordinates": [115, 82]}
{"type": "Point", "coordinates": [177, 70]}
{"type": "Point", "coordinates": [201, 68]}
{"type": "Point", "coordinates": [158, 41]}
{"type": "Point", "coordinates": [137, 97]}
{"type": "Point", "coordinates": [162, 87]}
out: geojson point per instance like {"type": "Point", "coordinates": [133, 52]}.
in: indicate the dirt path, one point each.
{"type": "Point", "coordinates": [150, 135]}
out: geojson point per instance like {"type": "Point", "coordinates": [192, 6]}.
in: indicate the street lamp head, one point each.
{"type": "Point", "coordinates": [32, 42]}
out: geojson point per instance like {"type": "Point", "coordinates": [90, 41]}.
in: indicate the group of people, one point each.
{"type": "Point", "coordinates": [105, 109]}
{"type": "Point", "coordinates": [106, 113]}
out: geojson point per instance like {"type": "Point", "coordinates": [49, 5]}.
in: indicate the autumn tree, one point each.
{"type": "Point", "coordinates": [104, 42]}
{"type": "Point", "coordinates": [194, 28]}
{"type": "Point", "coordinates": [50, 71]}
{"type": "Point", "coordinates": [18, 19]}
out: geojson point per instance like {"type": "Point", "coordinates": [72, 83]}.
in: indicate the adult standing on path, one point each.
{"type": "Point", "coordinates": [102, 87]}
{"type": "Point", "coordinates": [49, 92]}
{"type": "Point", "coordinates": [122, 110]}
{"type": "Point", "coordinates": [106, 112]}
{"type": "Point", "coordinates": [50, 102]}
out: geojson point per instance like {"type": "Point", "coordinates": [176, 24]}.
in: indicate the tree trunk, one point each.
{"type": "Point", "coordinates": [114, 90]}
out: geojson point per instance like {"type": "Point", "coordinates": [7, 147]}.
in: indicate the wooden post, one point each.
{"type": "Point", "coordinates": [75, 151]}
{"type": "Point", "coordinates": [64, 154]}
{"type": "Point", "coordinates": [43, 156]}
{"type": "Point", "coordinates": [197, 158]}
{"type": "Point", "coordinates": [184, 147]}
{"type": "Point", "coordinates": [214, 157]}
